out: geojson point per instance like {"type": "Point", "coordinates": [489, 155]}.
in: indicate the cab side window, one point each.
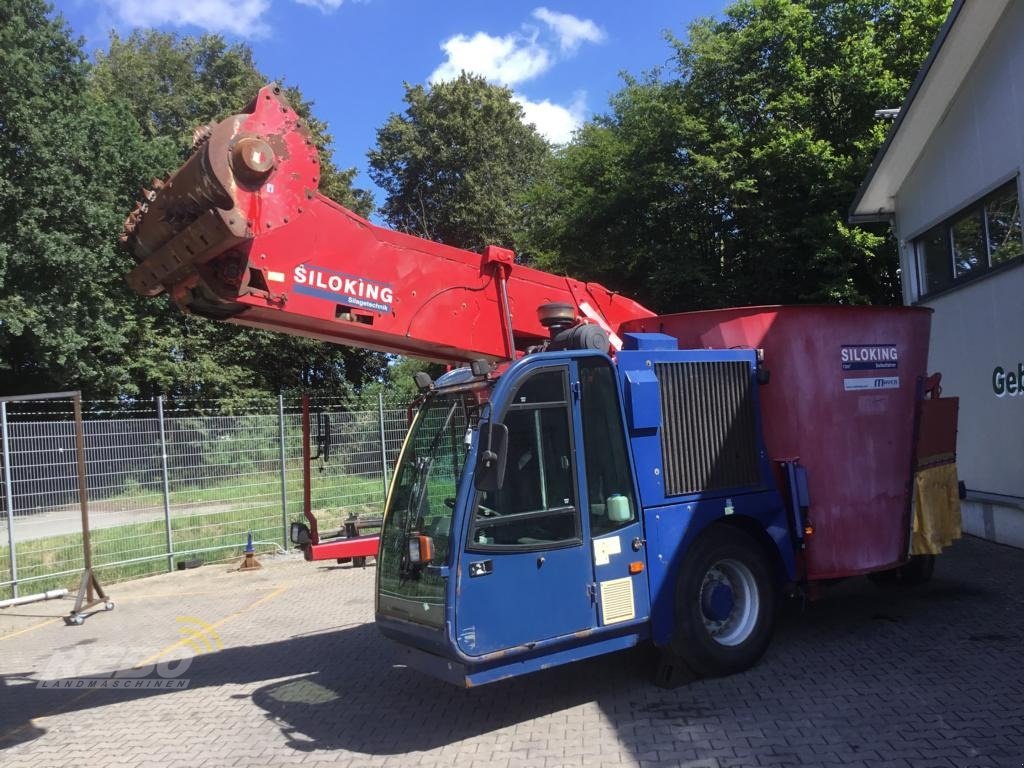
{"type": "Point", "coordinates": [609, 479]}
{"type": "Point", "coordinates": [536, 506]}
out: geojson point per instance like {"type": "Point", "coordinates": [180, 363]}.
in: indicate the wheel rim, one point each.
{"type": "Point", "coordinates": [729, 602]}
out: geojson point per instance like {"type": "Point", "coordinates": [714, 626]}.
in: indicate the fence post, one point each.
{"type": "Point", "coordinates": [9, 495]}
{"type": "Point", "coordinates": [284, 493]}
{"type": "Point", "coordinates": [167, 487]}
{"type": "Point", "coordinates": [383, 443]}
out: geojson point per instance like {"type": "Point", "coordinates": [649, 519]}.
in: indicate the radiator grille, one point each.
{"type": "Point", "coordinates": [707, 436]}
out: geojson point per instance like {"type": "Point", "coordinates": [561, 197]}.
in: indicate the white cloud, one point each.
{"type": "Point", "coordinates": [553, 121]}
{"type": "Point", "coordinates": [570, 30]}
{"type": "Point", "coordinates": [325, 6]}
{"type": "Point", "coordinates": [506, 60]}
{"type": "Point", "coordinates": [243, 18]}
{"type": "Point", "coordinates": [518, 57]}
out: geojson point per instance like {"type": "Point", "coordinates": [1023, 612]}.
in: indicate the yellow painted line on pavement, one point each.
{"type": "Point", "coordinates": [214, 625]}
{"type": "Point", "coordinates": [9, 635]}
{"type": "Point", "coordinates": [68, 704]}
{"type": "Point", "coordinates": [122, 598]}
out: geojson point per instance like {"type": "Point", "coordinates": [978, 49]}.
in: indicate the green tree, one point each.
{"type": "Point", "coordinates": [626, 205]}
{"type": "Point", "coordinates": [68, 164]}
{"type": "Point", "coordinates": [726, 179]}
{"type": "Point", "coordinates": [174, 84]}
{"type": "Point", "coordinates": [76, 143]}
{"type": "Point", "coordinates": [455, 165]}
{"type": "Point", "coordinates": [396, 383]}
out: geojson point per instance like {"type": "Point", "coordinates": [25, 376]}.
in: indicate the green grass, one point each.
{"type": "Point", "coordinates": [253, 505]}
{"type": "Point", "coordinates": [330, 489]}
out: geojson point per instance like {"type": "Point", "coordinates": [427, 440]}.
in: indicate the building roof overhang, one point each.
{"type": "Point", "coordinates": [963, 35]}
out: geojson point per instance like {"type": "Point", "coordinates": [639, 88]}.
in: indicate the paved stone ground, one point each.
{"type": "Point", "coordinates": [932, 676]}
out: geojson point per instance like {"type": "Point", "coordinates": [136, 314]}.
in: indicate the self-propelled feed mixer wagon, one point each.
{"type": "Point", "coordinates": [593, 476]}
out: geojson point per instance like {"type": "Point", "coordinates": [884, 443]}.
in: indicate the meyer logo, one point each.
{"type": "Point", "coordinates": [869, 382]}
{"type": "Point", "coordinates": [75, 668]}
{"type": "Point", "coordinates": [1008, 382]}
{"type": "Point", "coordinates": [868, 357]}
{"type": "Point", "coordinates": [355, 291]}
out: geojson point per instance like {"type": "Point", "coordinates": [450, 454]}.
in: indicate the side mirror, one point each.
{"type": "Point", "coordinates": [490, 460]}
{"type": "Point", "coordinates": [422, 381]}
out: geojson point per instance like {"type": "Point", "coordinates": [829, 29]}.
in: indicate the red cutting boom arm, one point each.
{"type": "Point", "coordinates": [240, 233]}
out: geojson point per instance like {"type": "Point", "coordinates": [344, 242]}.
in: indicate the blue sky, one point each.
{"type": "Point", "coordinates": [562, 59]}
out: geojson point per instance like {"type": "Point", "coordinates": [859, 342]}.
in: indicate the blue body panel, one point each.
{"type": "Point", "coordinates": [673, 522]}
{"type": "Point", "coordinates": [538, 595]}
{"type": "Point", "coordinates": [521, 602]}
{"type": "Point", "coordinates": [527, 596]}
{"type": "Point", "coordinates": [671, 530]}
{"type": "Point", "coordinates": [540, 608]}
{"type": "Point", "coordinates": [466, 675]}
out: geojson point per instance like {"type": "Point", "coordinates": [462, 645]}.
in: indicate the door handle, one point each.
{"type": "Point", "coordinates": [638, 543]}
{"type": "Point", "coordinates": [481, 568]}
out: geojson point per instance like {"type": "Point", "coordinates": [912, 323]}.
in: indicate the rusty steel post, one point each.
{"type": "Point", "coordinates": [83, 490]}
{"type": "Point", "coordinates": [90, 591]}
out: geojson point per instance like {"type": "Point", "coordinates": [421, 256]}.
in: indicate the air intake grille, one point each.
{"type": "Point", "coordinates": [617, 601]}
{"type": "Point", "coordinates": [707, 436]}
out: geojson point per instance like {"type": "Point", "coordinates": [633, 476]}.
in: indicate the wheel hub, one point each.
{"type": "Point", "coordinates": [717, 602]}
{"type": "Point", "coordinates": [729, 602]}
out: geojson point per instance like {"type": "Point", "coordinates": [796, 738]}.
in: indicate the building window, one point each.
{"type": "Point", "coordinates": [1002, 213]}
{"type": "Point", "coordinates": [969, 255]}
{"type": "Point", "coordinates": [934, 259]}
{"type": "Point", "coordinates": [984, 235]}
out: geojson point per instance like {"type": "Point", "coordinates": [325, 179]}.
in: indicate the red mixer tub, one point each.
{"type": "Point", "coordinates": [843, 399]}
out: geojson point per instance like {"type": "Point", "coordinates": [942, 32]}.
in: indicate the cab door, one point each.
{"type": "Point", "coordinates": [526, 572]}
{"type": "Point", "coordinates": [613, 519]}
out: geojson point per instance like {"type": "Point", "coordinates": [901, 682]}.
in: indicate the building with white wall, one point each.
{"type": "Point", "coordinates": [949, 180]}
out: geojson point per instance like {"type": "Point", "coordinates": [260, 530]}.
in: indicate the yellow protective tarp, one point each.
{"type": "Point", "coordinates": [937, 518]}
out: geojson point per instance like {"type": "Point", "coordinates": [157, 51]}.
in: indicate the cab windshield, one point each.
{"type": "Point", "coordinates": [422, 501]}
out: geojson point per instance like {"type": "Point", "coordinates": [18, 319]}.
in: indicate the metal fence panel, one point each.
{"type": "Point", "coordinates": [195, 488]}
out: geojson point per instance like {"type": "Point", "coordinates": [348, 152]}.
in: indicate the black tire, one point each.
{"type": "Point", "coordinates": [712, 647]}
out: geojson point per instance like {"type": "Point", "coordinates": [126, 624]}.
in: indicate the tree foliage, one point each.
{"type": "Point", "coordinates": [456, 163]}
{"type": "Point", "coordinates": [726, 178]}
{"type": "Point", "coordinates": [76, 143]}
{"type": "Point", "coordinates": [190, 81]}
{"type": "Point", "coordinates": [68, 164]}
{"type": "Point", "coordinates": [723, 178]}
{"type": "Point", "coordinates": [174, 84]}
